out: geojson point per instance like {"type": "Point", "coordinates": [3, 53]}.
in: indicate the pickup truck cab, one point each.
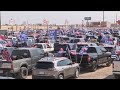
{"type": "Point", "coordinates": [23, 59]}
{"type": "Point", "coordinates": [44, 46]}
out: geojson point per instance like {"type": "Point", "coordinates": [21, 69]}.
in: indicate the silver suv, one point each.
{"type": "Point", "coordinates": [55, 68]}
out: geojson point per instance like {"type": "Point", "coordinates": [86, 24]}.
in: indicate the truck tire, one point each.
{"type": "Point", "coordinates": [60, 76]}
{"type": "Point", "coordinates": [94, 66]}
{"type": "Point", "coordinates": [23, 73]}
{"type": "Point", "coordinates": [76, 75]}
{"type": "Point", "coordinates": [117, 76]}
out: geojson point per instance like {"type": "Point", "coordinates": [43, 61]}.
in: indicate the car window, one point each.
{"type": "Point", "coordinates": [99, 51]}
{"type": "Point", "coordinates": [44, 46]}
{"type": "Point", "coordinates": [91, 50]}
{"type": "Point", "coordinates": [68, 61]}
{"type": "Point", "coordinates": [61, 63]}
{"type": "Point", "coordinates": [39, 46]}
{"type": "Point", "coordinates": [20, 54]}
{"type": "Point", "coordinates": [44, 65]}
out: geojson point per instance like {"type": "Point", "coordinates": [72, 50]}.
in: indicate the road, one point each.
{"type": "Point", "coordinates": [102, 72]}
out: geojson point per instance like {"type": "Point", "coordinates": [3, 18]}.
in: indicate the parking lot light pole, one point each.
{"type": "Point", "coordinates": [0, 20]}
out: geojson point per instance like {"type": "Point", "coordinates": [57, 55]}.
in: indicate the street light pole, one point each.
{"type": "Point", "coordinates": [116, 20]}
{"type": "Point", "coordinates": [103, 18]}
{"type": "Point", "coordinates": [0, 19]}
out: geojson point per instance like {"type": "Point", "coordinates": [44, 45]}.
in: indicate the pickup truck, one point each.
{"type": "Point", "coordinates": [94, 56]}
{"type": "Point", "coordinates": [116, 68]}
{"type": "Point", "coordinates": [44, 46]}
{"type": "Point", "coordinates": [23, 59]}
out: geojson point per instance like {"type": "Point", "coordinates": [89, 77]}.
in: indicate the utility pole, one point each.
{"type": "Point", "coordinates": [116, 20]}
{"type": "Point", "coordinates": [103, 18]}
{"type": "Point", "coordinates": [0, 19]}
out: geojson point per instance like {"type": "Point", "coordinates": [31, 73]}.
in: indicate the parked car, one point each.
{"type": "Point", "coordinates": [55, 68]}
{"type": "Point", "coordinates": [23, 59]}
{"type": "Point", "coordinates": [93, 57]}
{"type": "Point", "coordinates": [116, 68]}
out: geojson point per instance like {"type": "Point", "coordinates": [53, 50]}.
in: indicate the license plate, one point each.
{"type": "Point", "coordinates": [41, 73]}
{"type": "Point", "coordinates": [6, 65]}
{"type": "Point", "coordinates": [1, 71]}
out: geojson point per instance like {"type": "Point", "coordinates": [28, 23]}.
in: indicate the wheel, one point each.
{"type": "Point", "coordinates": [60, 76]}
{"type": "Point", "coordinates": [117, 76]}
{"type": "Point", "coordinates": [94, 66]}
{"type": "Point", "coordinates": [23, 73]}
{"type": "Point", "coordinates": [108, 64]}
{"type": "Point", "coordinates": [76, 75]}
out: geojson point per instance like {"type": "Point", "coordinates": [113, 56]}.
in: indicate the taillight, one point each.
{"type": "Point", "coordinates": [52, 69]}
{"type": "Point", "coordinates": [11, 65]}
{"type": "Point", "coordinates": [113, 65]}
{"type": "Point", "coordinates": [88, 58]}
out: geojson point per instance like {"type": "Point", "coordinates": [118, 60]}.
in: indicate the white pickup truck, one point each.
{"type": "Point", "coordinates": [116, 68]}
{"type": "Point", "coordinates": [44, 46]}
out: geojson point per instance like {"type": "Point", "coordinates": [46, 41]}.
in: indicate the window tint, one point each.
{"type": "Point", "coordinates": [64, 62]}
{"type": "Point", "coordinates": [91, 50]}
{"type": "Point", "coordinates": [44, 46]}
{"type": "Point", "coordinates": [61, 63]}
{"type": "Point", "coordinates": [44, 65]}
{"type": "Point", "coordinates": [67, 61]}
{"type": "Point", "coordinates": [20, 54]}
{"type": "Point", "coordinates": [39, 46]}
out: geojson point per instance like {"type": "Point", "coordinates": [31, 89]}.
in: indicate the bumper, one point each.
{"type": "Point", "coordinates": [86, 65]}
{"type": "Point", "coordinates": [43, 77]}
{"type": "Point", "coordinates": [6, 72]}
{"type": "Point", "coordinates": [116, 73]}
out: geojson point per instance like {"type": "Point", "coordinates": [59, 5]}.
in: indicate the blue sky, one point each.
{"type": "Point", "coordinates": [57, 17]}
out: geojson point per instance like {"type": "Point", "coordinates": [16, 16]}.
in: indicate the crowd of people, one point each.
{"type": "Point", "coordinates": [22, 38]}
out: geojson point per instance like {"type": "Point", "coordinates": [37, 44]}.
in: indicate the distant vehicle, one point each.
{"type": "Point", "coordinates": [44, 46]}
{"type": "Point", "coordinates": [4, 32]}
{"type": "Point", "coordinates": [23, 59]}
{"type": "Point", "coordinates": [4, 43]}
{"type": "Point", "coordinates": [55, 68]}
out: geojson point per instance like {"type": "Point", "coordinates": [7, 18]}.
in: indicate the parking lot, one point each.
{"type": "Point", "coordinates": [103, 72]}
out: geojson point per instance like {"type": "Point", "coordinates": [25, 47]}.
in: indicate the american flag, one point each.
{"type": "Point", "coordinates": [45, 21]}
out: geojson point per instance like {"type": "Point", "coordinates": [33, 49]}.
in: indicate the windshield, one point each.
{"type": "Point", "coordinates": [91, 50]}
{"type": "Point", "coordinates": [74, 41]}
{"type": "Point", "coordinates": [58, 46]}
{"type": "Point", "coordinates": [39, 46]}
{"type": "Point", "coordinates": [44, 65]}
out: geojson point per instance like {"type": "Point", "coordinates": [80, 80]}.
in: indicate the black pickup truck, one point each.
{"type": "Point", "coordinates": [94, 56]}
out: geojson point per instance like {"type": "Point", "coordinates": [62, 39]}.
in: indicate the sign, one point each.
{"type": "Point", "coordinates": [87, 18]}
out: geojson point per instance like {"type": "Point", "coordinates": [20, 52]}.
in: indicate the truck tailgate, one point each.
{"type": "Point", "coordinates": [116, 66]}
{"type": "Point", "coordinates": [5, 64]}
